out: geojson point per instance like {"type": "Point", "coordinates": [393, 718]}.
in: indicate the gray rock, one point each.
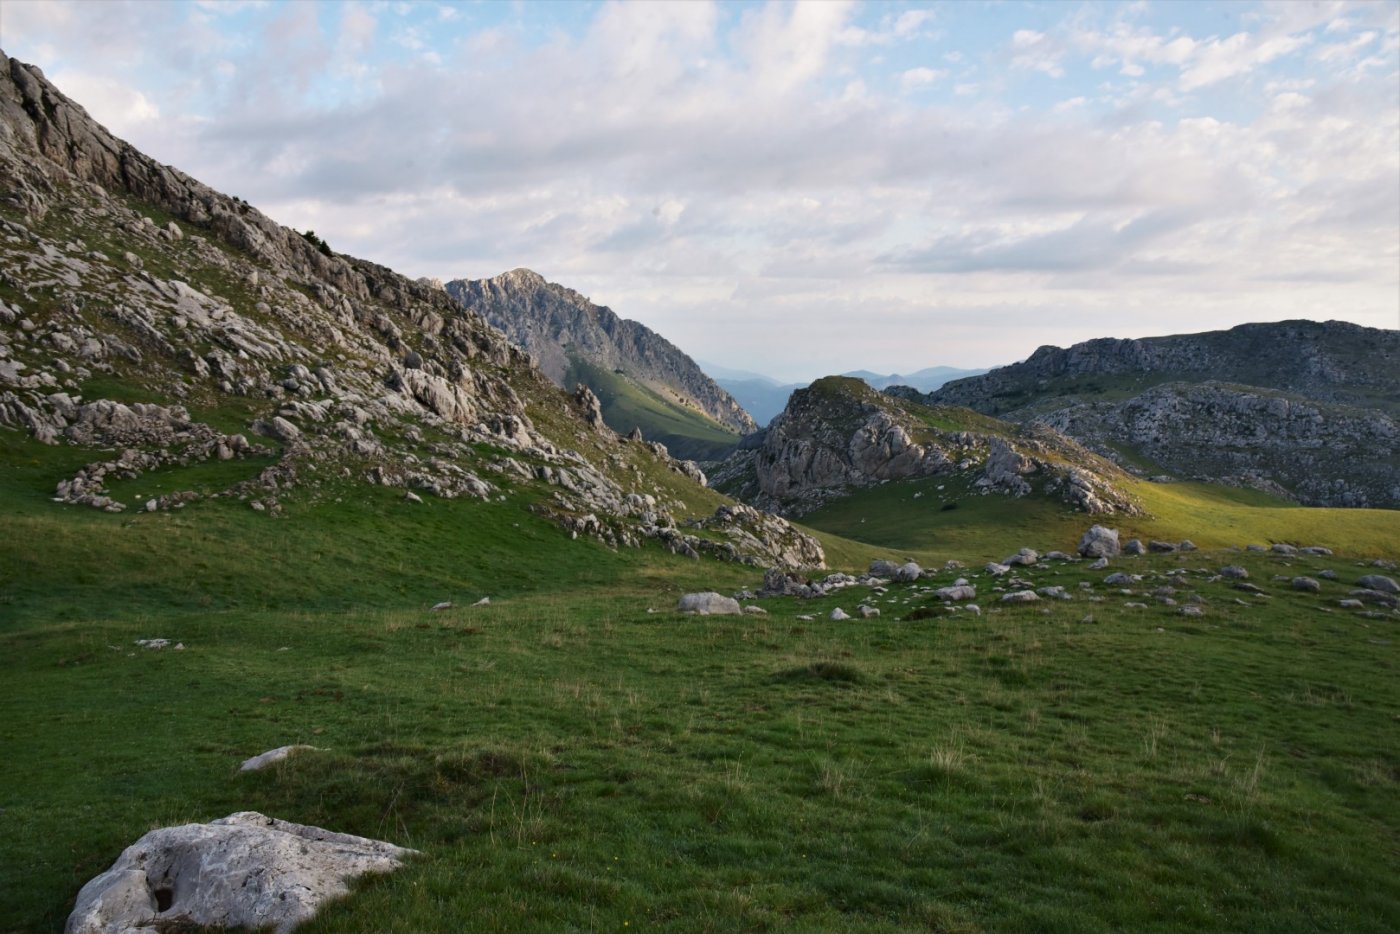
{"type": "Point", "coordinates": [1378, 597]}
{"type": "Point", "coordinates": [1282, 548]}
{"type": "Point", "coordinates": [996, 570]}
{"type": "Point", "coordinates": [1120, 579]}
{"type": "Point", "coordinates": [1099, 565]}
{"type": "Point", "coordinates": [868, 612]}
{"type": "Point", "coordinates": [1020, 596]}
{"type": "Point", "coordinates": [1350, 604]}
{"type": "Point", "coordinates": [1186, 545]}
{"type": "Point", "coordinates": [709, 603]}
{"type": "Point", "coordinates": [272, 756]}
{"type": "Point", "coordinates": [1191, 610]}
{"type": "Point", "coordinates": [1316, 550]}
{"type": "Point", "coordinates": [1327, 575]}
{"type": "Point", "coordinates": [1134, 547]}
{"type": "Point", "coordinates": [908, 572]}
{"type": "Point", "coordinates": [1307, 584]}
{"type": "Point", "coordinates": [1026, 557]}
{"type": "Point", "coordinates": [242, 871]}
{"type": "Point", "coordinates": [839, 614]}
{"type": "Point", "coordinates": [1378, 582]}
{"type": "Point", "coordinates": [752, 610]}
{"type": "Point", "coordinates": [1234, 572]}
{"type": "Point", "coordinates": [1054, 593]}
{"type": "Point", "coordinates": [1099, 542]}
{"type": "Point", "coordinates": [956, 592]}
{"type": "Point", "coordinates": [1160, 547]}
{"type": "Point", "coordinates": [882, 568]}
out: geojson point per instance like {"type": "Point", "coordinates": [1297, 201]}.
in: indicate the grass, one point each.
{"type": "Point", "coordinates": [919, 518]}
{"type": "Point", "coordinates": [628, 404]}
{"type": "Point", "coordinates": [572, 760]}
{"type": "Point", "coordinates": [574, 755]}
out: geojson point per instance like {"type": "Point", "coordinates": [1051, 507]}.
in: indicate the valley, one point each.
{"type": "Point", "coordinates": [256, 493]}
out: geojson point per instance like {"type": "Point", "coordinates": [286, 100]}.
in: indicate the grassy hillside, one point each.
{"type": "Point", "coordinates": [942, 517]}
{"type": "Point", "coordinates": [627, 404]}
{"type": "Point", "coordinates": [576, 756]}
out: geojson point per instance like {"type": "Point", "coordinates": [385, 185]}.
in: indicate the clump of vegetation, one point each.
{"type": "Point", "coordinates": [311, 238]}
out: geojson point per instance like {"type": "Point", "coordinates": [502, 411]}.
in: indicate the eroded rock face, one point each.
{"type": "Point", "coordinates": [838, 435]}
{"type": "Point", "coordinates": [242, 871]}
{"type": "Point", "coordinates": [1301, 409]}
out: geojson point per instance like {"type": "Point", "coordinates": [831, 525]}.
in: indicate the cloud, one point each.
{"type": "Point", "coordinates": [794, 180]}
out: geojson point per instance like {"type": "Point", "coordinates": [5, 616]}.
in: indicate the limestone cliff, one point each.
{"type": "Point", "coordinates": [1300, 408]}
{"type": "Point", "coordinates": [559, 327]}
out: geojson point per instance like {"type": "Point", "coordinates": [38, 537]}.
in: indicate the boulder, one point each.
{"type": "Point", "coordinates": [1378, 597]}
{"type": "Point", "coordinates": [883, 568]}
{"type": "Point", "coordinates": [1160, 547]}
{"type": "Point", "coordinates": [273, 756]}
{"type": "Point", "coordinates": [1025, 558]}
{"type": "Point", "coordinates": [839, 614]}
{"type": "Point", "coordinates": [1186, 545]}
{"type": "Point", "coordinates": [1134, 546]}
{"type": "Point", "coordinates": [1020, 596]}
{"type": "Point", "coordinates": [1378, 582]}
{"type": "Point", "coordinates": [708, 603]}
{"type": "Point", "coordinates": [1307, 584]}
{"type": "Point", "coordinates": [242, 871]}
{"type": "Point", "coordinates": [868, 612]}
{"type": "Point", "coordinates": [1099, 565]}
{"type": "Point", "coordinates": [996, 570]}
{"type": "Point", "coordinates": [957, 592]}
{"type": "Point", "coordinates": [1120, 579]}
{"type": "Point", "coordinates": [908, 572]}
{"type": "Point", "coordinates": [1234, 572]}
{"type": "Point", "coordinates": [1099, 542]}
{"type": "Point", "coordinates": [1282, 548]}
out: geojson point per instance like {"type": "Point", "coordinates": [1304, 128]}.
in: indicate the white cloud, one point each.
{"type": "Point", "coordinates": [915, 78]}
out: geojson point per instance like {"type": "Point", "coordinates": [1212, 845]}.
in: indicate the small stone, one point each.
{"type": "Point", "coordinates": [868, 612]}
{"type": "Point", "coordinates": [444, 605]}
{"type": "Point", "coordinates": [484, 601]}
{"type": "Point", "coordinates": [1306, 584]}
{"type": "Point", "coordinates": [265, 759]}
{"type": "Point", "coordinates": [1234, 572]}
{"type": "Point", "coordinates": [412, 497]}
{"type": "Point", "coordinates": [708, 603]}
{"type": "Point", "coordinates": [839, 614]}
{"type": "Point", "coordinates": [1020, 596]}
{"type": "Point", "coordinates": [753, 610]}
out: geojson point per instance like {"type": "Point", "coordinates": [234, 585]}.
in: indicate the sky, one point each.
{"type": "Point", "coordinates": [795, 189]}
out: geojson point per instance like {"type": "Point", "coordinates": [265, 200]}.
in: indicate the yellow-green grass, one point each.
{"type": "Point", "coordinates": [627, 404]}
{"type": "Point", "coordinates": [911, 517]}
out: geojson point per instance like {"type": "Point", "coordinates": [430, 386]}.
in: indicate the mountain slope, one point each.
{"type": "Point", "coordinates": [571, 339]}
{"type": "Point", "coordinates": [196, 347]}
{"type": "Point", "coordinates": [1299, 408]}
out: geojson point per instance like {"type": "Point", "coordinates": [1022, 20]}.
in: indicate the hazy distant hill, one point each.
{"type": "Point", "coordinates": [764, 397]}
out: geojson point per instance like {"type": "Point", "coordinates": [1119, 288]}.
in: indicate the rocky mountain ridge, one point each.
{"type": "Point", "coordinates": [162, 324]}
{"type": "Point", "coordinates": [839, 434]}
{"type": "Point", "coordinates": [1302, 409]}
{"type": "Point", "coordinates": [554, 323]}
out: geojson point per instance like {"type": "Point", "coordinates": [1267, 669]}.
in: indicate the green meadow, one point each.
{"type": "Point", "coordinates": [575, 755]}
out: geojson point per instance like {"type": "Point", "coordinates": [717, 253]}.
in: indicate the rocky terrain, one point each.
{"type": "Point", "coordinates": [839, 434]}
{"type": "Point", "coordinates": [163, 325]}
{"type": "Point", "coordinates": [1301, 409]}
{"type": "Point", "coordinates": [558, 327]}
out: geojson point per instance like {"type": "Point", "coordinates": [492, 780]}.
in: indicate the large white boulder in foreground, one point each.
{"type": "Point", "coordinates": [244, 870]}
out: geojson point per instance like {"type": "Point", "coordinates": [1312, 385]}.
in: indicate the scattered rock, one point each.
{"type": "Point", "coordinates": [265, 759]}
{"type": "Point", "coordinates": [957, 592]}
{"type": "Point", "coordinates": [1307, 584]}
{"type": "Point", "coordinates": [242, 871]}
{"type": "Point", "coordinates": [1282, 548]}
{"type": "Point", "coordinates": [995, 569]}
{"type": "Point", "coordinates": [444, 605]}
{"type": "Point", "coordinates": [1160, 547]}
{"type": "Point", "coordinates": [1186, 545]}
{"type": "Point", "coordinates": [868, 612]}
{"type": "Point", "coordinates": [708, 603]}
{"type": "Point", "coordinates": [1099, 542]}
{"type": "Point", "coordinates": [752, 610]}
{"type": "Point", "coordinates": [1020, 596]}
{"type": "Point", "coordinates": [1378, 582]}
{"type": "Point", "coordinates": [908, 572]}
{"type": "Point", "coordinates": [1234, 572]}
{"type": "Point", "coordinates": [412, 497]}
{"type": "Point", "coordinates": [1191, 610]}
{"type": "Point", "coordinates": [1120, 579]}
{"type": "Point", "coordinates": [839, 614]}
{"type": "Point", "coordinates": [1099, 565]}
{"type": "Point", "coordinates": [484, 601]}
{"type": "Point", "coordinates": [1134, 547]}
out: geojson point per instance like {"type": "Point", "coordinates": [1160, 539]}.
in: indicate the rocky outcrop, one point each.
{"type": "Point", "coordinates": [242, 871]}
{"type": "Point", "coordinates": [552, 322]}
{"type": "Point", "coordinates": [1301, 409]}
{"type": "Point", "coordinates": [839, 434]}
{"type": "Point", "coordinates": [1319, 453]}
{"type": "Point", "coordinates": [118, 274]}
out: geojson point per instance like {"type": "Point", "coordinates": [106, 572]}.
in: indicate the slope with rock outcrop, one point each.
{"type": "Point", "coordinates": [643, 379]}
{"type": "Point", "coordinates": [1299, 408]}
{"type": "Point", "coordinates": [840, 435]}
{"type": "Point", "coordinates": [176, 332]}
